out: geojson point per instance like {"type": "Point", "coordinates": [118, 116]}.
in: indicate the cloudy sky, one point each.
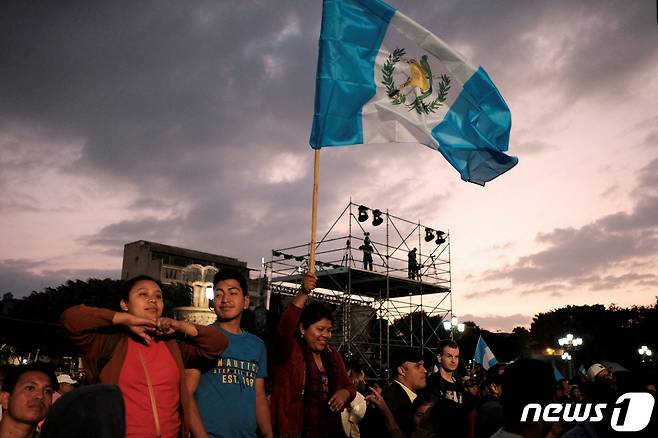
{"type": "Point", "coordinates": [187, 123]}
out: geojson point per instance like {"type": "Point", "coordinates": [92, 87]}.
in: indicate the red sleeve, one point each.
{"type": "Point", "coordinates": [84, 325]}
{"type": "Point", "coordinates": [82, 322]}
{"type": "Point", "coordinates": [209, 343]}
{"type": "Point", "coordinates": [285, 333]}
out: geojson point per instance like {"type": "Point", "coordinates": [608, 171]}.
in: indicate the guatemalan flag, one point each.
{"type": "Point", "coordinates": [483, 355]}
{"type": "Point", "coordinates": [383, 78]}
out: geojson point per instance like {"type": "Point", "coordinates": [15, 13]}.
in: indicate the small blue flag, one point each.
{"type": "Point", "coordinates": [556, 373]}
{"type": "Point", "coordinates": [483, 355]}
{"type": "Point", "coordinates": [383, 78]}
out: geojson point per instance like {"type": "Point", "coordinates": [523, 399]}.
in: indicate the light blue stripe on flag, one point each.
{"type": "Point", "coordinates": [475, 131]}
{"type": "Point", "coordinates": [483, 355]}
{"type": "Point", "coordinates": [556, 373]}
{"type": "Point", "coordinates": [469, 125]}
{"type": "Point", "coordinates": [351, 35]}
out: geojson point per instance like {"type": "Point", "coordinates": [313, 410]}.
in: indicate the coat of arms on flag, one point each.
{"type": "Point", "coordinates": [418, 84]}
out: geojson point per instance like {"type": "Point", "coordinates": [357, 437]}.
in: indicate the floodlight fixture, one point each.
{"type": "Point", "coordinates": [429, 234]}
{"type": "Point", "coordinates": [439, 237]}
{"type": "Point", "coordinates": [363, 213]}
{"type": "Point", "coordinates": [377, 218]}
{"type": "Point", "coordinates": [447, 325]}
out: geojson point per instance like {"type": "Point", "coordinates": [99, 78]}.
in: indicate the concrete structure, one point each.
{"type": "Point", "coordinates": [168, 263]}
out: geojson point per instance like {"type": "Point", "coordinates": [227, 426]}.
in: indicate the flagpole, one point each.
{"type": "Point", "coordinates": [314, 212]}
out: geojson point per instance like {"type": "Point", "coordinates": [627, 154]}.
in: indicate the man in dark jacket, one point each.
{"type": "Point", "coordinates": [410, 377]}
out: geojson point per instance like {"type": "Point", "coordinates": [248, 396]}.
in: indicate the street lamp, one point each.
{"type": "Point", "coordinates": [645, 353]}
{"type": "Point", "coordinates": [569, 343]}
{"type": "Point", "coordinates": [453, 325]}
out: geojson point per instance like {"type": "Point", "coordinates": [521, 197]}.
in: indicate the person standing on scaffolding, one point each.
{"type": "Point", "coordinates": [413, 270]}
{"type": "Point", "coordinates": [367, 249]}
{"type": "Point", "coordinates": [347, 255]}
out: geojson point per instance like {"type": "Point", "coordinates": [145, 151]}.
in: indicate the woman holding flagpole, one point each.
{"type": "Point", "coordinates": [310, 383]}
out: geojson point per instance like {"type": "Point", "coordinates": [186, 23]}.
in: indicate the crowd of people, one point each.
{"type": "Point", "coordinates": [151, 376]}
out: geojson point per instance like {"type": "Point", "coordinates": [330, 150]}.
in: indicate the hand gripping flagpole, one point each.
{"type": "Point", "coordinates": [314, 212]}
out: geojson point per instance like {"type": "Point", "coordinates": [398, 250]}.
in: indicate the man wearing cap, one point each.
{"type": "Point", "coordinates": [66, 384]}
{"type": "Point", "coordinates": [26, 396]}
{"type": "Point", "coordinates": [410, 377]}
{"type": "Point", "coordinates": [599, 373]}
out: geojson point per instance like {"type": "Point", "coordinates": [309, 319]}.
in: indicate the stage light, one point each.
{"type": "Point", "coordinates": [287, 256]}
{"type": "Point", "coordinates": [429, 234]}
{"type": "Point", "coordinates": [299, 258]}
{"type": "Point", "coordinates": [277, 253]}
{"type": "Point", "coordinates": [377, 218]}
{"type": "Point", "coordinates": [439, 237]}
{"type": "Point", "coordinates": [363, 213]}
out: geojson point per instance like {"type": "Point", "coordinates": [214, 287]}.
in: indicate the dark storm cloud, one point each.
{"type": "Point", "coordinates": [16, 276]}
{"type": "Point", "coordinates": [114, 236]}
{"type": "Point", "coordinates": [648, 180]}
{"type": "Point", "coordinates": [592, 46]}
{"type": "Point", "coordinates": [611, 282]}
{"type": "Point", "coordinates": [145, 86]}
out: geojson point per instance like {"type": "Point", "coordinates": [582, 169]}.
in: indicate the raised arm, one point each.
{"type": "Point", "coordinates": [82, 323]}
{"type": "Point", "coordinates": [308, 284]}
{"type": "Point", "coordinates": [201, 342]}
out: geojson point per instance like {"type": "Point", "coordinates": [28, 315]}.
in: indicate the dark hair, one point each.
{"type": "Point", "coordinates": [494, 374]}
{"type": "Point", "coordinates": [525, 381]}
{"type": "Point", "coordinates": [130, 283]}
{"type": "Point", "coordinates": [423, 399]}
{"type": "Point", "coordinates": [15, 373]}
{"type": "Point", "coordinates": [231, 274]}
{"type": "Point", "coordinates": [446, 343]}
{"type": "Point", "coordinates": [92, 410]}
{"type": "Point", "coordinates": [313, 313]}
{"type": "Point", "coordinates": [401, 355]}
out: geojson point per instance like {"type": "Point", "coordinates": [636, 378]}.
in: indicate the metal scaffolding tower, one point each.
{"type": "Point", "coordinates": [375, 304]}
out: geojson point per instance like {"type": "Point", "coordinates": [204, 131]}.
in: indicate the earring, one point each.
{"type": "Point", "coordinates": [302, 335]}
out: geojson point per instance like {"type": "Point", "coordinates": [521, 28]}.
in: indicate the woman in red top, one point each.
{"type": "Point", "coordinates": [310, 385]}
{"type": "Point", "coordinates": [144, 354]}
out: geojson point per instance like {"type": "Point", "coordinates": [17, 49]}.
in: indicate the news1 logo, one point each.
{"type": "Point", "coordinates": [630, 413]}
